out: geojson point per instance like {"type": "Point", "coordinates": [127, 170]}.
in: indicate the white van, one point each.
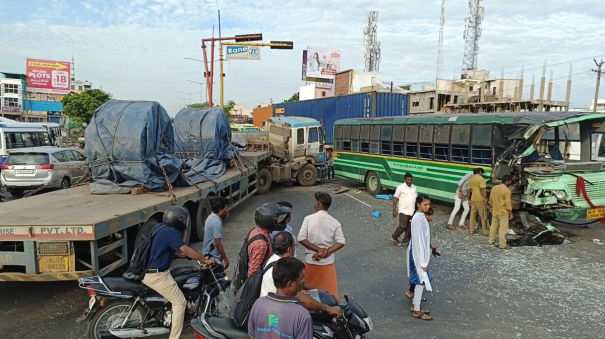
{"type": "Point", "coordinates": [55, 132]}
{"type": "Point", "coordinates": [15, 135]}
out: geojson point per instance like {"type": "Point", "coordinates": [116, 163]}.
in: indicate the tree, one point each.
{"type": "Point", "coordinates": [198, 105]}
{"type": "Point", "coordinates": [293, 98]}
{"type": "Point", "coordinates": [228, 106]}
{"type": "Point", "coordinates": [81, 106]}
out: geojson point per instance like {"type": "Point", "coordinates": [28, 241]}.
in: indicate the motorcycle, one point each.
{"type": "Point", "coordinates": [122, 308]}
{"type": "Point", "coordinates": [353, 324]}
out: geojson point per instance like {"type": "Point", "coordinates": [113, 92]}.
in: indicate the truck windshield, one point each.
{"type": "Point", "coordinates": [26, 139]}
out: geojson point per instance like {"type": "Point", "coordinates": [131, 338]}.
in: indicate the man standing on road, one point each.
{"type": "Point", "coordinates": [213, 231]}
{"type": "Point", "coordinates": [280, 312]}
{"type": "Point", "coordinates": [460, 198]}
{"type": "Point", "coordinates": [166, 244]}
{"type": "Point", "coordinates": [403, 206]}
{"type": "Point", "coordinates": [477, 191]}
{"type": "Point", "coordinates": [330, 164]}
{"type": "Point", "coordinates": [321, 234]}
{"type": "Point", "coordinates": [502, 211]}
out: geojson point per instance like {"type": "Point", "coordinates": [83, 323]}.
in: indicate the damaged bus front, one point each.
{"type": "Point", "coordinates": [546, 181]}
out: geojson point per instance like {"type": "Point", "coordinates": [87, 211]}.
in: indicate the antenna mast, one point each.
{"type": "Point", "coordinates": [371, 43]}
{"type": "Point", "coordinates": [472, 33]}
{"type": "Point", "coordinates": [440, 46]}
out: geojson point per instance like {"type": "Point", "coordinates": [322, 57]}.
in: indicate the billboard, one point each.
{"type": "Point", "coordinates": [322, 62]}
{"type": "Point", "coordinates": [48, 76]}
{"type": "Point", "coordinates": [243, 52]}
{"type": "Point", "coordinates": [304, 76]}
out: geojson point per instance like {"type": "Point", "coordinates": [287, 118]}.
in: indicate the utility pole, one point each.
{"type": "Point", "coordinates": [596, 91]}
{"type": "Point", "coordinates": [391, 87]}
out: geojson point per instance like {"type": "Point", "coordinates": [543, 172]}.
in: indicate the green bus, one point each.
{"type": "Point", "coordinates": [439, 149]}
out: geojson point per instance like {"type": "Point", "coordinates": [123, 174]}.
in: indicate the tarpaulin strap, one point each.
{"type": "Point", "coordinates": [581, 190]}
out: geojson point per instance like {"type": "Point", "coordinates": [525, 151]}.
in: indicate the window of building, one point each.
{"type": "Point", "coordinates": [432, 103]}
{"type": "Point", "coordinates": [323, 93]}
{"type": "Point", "coordinates": [73, 87]}
{"type": "Point", "coordinates": [11, 88]}
{"type": "Point", "coordinates": [415, 103]}
{"type": "Point", "coordinates": [11, 102]}
{"type": "Point", "coordinates": [470, 88]}
{"type": "Point", "coordinates": [80, 88]}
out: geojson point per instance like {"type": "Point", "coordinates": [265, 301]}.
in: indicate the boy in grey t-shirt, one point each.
{"type": "Point", "coordinates": [279, 315]}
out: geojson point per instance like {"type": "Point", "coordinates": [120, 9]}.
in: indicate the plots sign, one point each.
{"type": "Point", "coordinates": [243, 52]}
{"type": "Point", "coordinates": [48, 76]}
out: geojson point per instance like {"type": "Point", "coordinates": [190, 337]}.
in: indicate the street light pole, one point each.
{"type": "Point", "coordinates": [201, 89]}
{"type": "Point", "coordinates": [190, 101]}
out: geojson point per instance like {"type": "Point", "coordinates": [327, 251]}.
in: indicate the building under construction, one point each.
{"type": "Point", "coordinates": [477, 92]}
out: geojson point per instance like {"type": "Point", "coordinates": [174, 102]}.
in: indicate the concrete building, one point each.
{"type": "Point", "coordinates": [350, 81]}
{"type": "Point", "coordinates": [600, 105]}
{"type": "Point", "coordinates": [314, 91]}
{"type": "Point", "coordinates": [477, 92]}
{"type": "Point", "coordinates": [12, 87]}
{"type": "Point", "coordinates": [80, 85]}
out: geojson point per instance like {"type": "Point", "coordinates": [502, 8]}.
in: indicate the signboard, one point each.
{"type": "Point", "coordinates": [243, 52]}
{"type": "Point", "coordinates": [304, 76]}
{"type": "Point", "coordinates": [322, 63]}
{"type": "Point", "coordinates": [48, 76]}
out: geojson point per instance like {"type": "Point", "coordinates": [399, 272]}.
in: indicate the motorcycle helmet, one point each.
{"type": "Point", "coordinates": [272, 217]}
{"type": "Point", "coordinates": [177, 217]}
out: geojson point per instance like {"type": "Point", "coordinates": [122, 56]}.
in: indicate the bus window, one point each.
{"type": "Point", "coordinates": [375, 137]}
{"type": "Point", "coordinates": [346, 138]}
{"type": "Point", "coordinates": [398, 140]}
{"type": "Point", "coordinates": [338, 132]}
{"type": "Point", "coordinates": [441, 139]}
{"type": "Point", "coordinates": [425, 140]}
{"type": "Point", "coordinates": [460, 143]}
{"type": "Point", "coordinates": [26, 139]}
{"type": "Point", "coordinates": [481, 141]}
{"type": "Point", "coordinates": [411, 141]}
{"type": "Point", "coordinates": [385, 140]}
{"type": "Point", "coordinates": [364, 136]}
{"type": "Point", "coordinates": [355, 138]}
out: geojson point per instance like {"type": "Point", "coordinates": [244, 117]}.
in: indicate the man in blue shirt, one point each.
{"type": "Point", "coordinates": [166, 244]}
{"type": "Point", "coordinates": [213, 231]}
{"type": "Point", "coordinates": [288, 227]}
{"type": "Point", "coordinates": [279, 315]}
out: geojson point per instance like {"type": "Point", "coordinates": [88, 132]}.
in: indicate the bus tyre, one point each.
{"type": "Point", "coordinates": [264, 180]}
{"type": "Point", "coordinates": [307, 175]}
{"type": "Point", "coordinates": [373, 184]}
{"type": "Point", "coordinates": [203, 211]}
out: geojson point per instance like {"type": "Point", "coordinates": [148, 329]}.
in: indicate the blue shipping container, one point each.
{"type": "Point", "coordinates": [358, 105]}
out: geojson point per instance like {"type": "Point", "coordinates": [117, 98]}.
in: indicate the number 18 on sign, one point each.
{"type": "Point", "coordinates": [60, 79]}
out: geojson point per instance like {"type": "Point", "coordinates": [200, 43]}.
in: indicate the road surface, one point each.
{"type": "Point", "coordinates": [479, 291]}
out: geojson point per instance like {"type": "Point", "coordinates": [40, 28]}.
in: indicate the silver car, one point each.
{"type": "Point", "coordinates": [29, 168]}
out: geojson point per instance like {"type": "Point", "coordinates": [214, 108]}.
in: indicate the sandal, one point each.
{"type": "Point", "coordinates": [466, 227]}
{"type": "Point", "coordinates": [450, 227]}
{"type": "Point", "coordinates": [425, 311]}
{"type": "Point", "coordinates": [422, 316]}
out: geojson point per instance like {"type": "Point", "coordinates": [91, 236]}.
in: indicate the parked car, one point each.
{"type": "Point", "coordinates": [30, 168]}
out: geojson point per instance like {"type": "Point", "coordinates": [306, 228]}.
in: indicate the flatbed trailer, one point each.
{"type": "Point", "coordinates": [69, 234]}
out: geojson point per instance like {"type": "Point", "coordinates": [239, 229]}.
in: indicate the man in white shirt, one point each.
{"type": "Point", "coordinates": [404, 207]}
{"type": "Point", "coordinates": [321, 235]}
{"type": "Point", "coordinates": [283, 247]}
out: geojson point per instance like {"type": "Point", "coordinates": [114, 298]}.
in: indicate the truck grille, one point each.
{"type": "Point", "coordinates": [53, 248]}
{"type": "Point", "coordinates": [595, 191]}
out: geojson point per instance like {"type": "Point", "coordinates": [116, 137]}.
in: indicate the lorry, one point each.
{"type": "Point", "coordinates": [71, 234]}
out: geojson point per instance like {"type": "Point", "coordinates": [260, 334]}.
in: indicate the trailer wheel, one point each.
{"type": "Point", "coordinates": [202, 212]}
{"type": "Point", "coordinates": [373, 184]}
{"type": "Point", "coordinates": [307, 175]}
{"type": "Point", "coordinates": [264, 180]}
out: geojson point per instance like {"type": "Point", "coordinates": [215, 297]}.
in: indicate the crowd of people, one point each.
{"type": "Point", "coordinates": [270, 249]}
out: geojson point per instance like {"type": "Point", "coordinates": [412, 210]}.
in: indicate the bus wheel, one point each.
{"type": "Point", "coordinates": [264, 180]}
{"type": "Point", "coordinates": [373, 184]}
{"type": "Point", "coordinates": [307, 175]}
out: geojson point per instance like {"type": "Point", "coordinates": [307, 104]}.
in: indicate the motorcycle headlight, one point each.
{"type": "Point", "coordinates": [368, 322]}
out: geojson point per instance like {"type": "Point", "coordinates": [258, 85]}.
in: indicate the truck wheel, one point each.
{"type": "Point", "coordinates": [202, 213]}
{"type": "Point", "coordinates": [307, 175]}
{"type": "Point", "coordinates": [264, 180]}
{"type": "Point", "coordinates": [373, 184]}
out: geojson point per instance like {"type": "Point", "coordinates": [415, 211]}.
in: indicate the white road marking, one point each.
{"type": "Point", "coordinates": [352, 197]}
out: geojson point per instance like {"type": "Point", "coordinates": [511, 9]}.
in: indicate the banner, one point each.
{"type": "Point", "coordinates": [48, 76]}
{"type": "Point", "coordinates": [243, 52]}
{"type": "Point", "coordinates": [322, 63]}
{"type": "Point", "coordinates": [304, 76]}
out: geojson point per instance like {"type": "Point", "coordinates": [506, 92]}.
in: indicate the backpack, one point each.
{"type": "Point", "coordinates": [247, 295]}
{"type": "Point", "coordinates": [140, 257]}
{"type": "Point", "coordinates": [241, 268]}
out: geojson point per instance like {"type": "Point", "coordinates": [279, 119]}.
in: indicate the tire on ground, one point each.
{"type": "Point", "coordinates": [307, 175]}
{"type": "Point", "coordinates": [264, 181]}
{"type": "Point", "coordinates": [373, 184]}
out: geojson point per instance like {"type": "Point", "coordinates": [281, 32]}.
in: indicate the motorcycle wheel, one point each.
{"type": "Point", "coordinates": [111, 316]}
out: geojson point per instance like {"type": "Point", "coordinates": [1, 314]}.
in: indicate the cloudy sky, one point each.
{"type": "Point", "coordinates": [135, 49]}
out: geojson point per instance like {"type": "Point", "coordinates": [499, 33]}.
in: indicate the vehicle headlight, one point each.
{"type": "Point", "coordinates": [546, 194]}
{"type": "Point", "coordinates": [561, 195]}
{"type": "Point", "coordinates": [368, 322]}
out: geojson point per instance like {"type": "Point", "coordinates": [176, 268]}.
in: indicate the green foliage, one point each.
{"type": "Point", "coordinates": [81, 106]}
{"type": "Point", "coordinates": [198, 105]}
{"type": "Point", "coordinates": [75, 124]}
{"type": "Point", "coordinates": [293, 98]}
{"type": "Point", "coordinates": [229, 107]}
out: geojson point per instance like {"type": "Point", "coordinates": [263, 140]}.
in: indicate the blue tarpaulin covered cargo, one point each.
{"type": "Point", "coordinates": [203, 141]}
{"type": "Point", "coordinates": [127, 144]}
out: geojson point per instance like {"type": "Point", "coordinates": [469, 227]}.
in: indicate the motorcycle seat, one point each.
{"type": "Point", "coordinates": [121, 284]}
{"type": "Point", "coordinates": [227, 328]}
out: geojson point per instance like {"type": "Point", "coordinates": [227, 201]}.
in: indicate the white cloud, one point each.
{"type": "Point", "coordinates": [136, 49]}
